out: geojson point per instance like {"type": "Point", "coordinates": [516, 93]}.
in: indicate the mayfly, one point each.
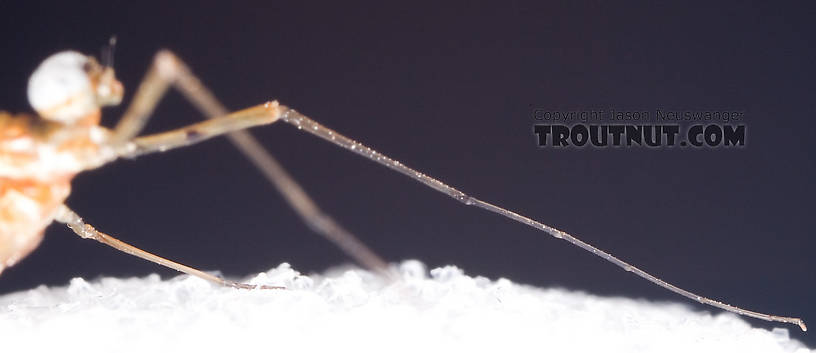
{"type": "Point", "coordinates": [39, 155]}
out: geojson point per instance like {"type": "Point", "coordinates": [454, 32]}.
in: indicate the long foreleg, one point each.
{"type": "Point", "coordinates": [304, 123]}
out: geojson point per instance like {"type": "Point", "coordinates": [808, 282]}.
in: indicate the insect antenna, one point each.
{"type": "Point", "coordinates": [107, 52]}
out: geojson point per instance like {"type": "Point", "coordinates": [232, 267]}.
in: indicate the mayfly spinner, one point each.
{"type": "Point", "coordinates": [39, 155]}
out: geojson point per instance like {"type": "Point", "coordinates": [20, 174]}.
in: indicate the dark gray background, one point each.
{"type": "Point", "coordinates": [450, 90]}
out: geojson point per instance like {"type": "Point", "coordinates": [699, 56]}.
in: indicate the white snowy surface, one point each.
{"type": "Point", "coordinates": [353, 310]}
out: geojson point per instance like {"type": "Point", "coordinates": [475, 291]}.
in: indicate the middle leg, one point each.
{"type": "Point", "coordinates": [168, 70]}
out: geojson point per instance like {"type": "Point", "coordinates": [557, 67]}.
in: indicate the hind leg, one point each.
{"type": "Point", "coordinates": [84, 230]}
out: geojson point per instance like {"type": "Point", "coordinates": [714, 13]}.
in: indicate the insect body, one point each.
{"type": "Point", "coordinates": [40, 155]}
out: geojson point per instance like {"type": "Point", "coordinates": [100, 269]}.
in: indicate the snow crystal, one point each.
{"type": "Point", "coordinates": [352, 309]}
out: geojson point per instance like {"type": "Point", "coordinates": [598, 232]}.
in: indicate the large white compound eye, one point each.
{"type": "Point", "coordinates": [61, 89]}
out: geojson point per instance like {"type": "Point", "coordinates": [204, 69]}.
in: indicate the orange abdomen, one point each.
{"type": "Point", "coordinates": [37, 161]}
{"type": "Point", "coordinates": [31, 187]}
{"type": "Point", "coordinates": [26, 209]}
